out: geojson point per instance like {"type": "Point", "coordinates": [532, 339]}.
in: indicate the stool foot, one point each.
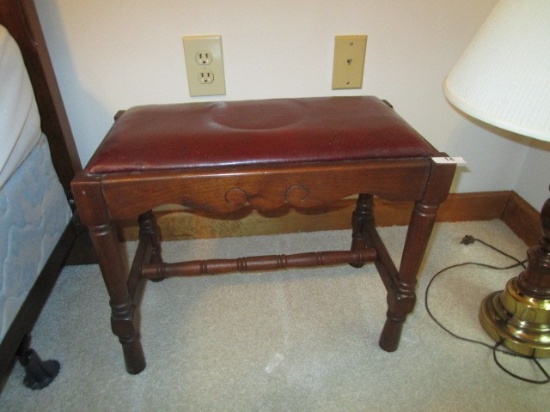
{"type": "Point", "coordinates": [400, 303]}
{"type": "Point", "coordinates": [391, 334]}
{"type": "Point", "coordinates": [124, 323]}
{"type": "Point", "coordinates": [134, 357]}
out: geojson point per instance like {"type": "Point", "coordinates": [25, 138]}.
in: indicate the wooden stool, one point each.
{"type": "Point", "coordinates": [221, 156]}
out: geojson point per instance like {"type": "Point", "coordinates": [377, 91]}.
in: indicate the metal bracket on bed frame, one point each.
{"type": "Point", "coordinates": [38, 373]}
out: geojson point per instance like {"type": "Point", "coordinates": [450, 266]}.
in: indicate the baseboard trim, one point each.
{"type": "Point", "coordinates": [522, 218]}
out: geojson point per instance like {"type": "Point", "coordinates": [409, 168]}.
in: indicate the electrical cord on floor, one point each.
{"type": "Point", "coordinates": [467, 240]}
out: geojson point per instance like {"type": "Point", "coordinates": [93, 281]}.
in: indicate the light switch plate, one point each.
{"type": "Point", "coordinates": [204, 64]}
{"type": "Point", "coordinates": [349, 61]}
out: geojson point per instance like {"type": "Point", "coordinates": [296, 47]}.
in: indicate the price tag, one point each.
{"type": "Point", "coordinates": [449, 160]}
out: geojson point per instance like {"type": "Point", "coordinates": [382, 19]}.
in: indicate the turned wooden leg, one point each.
{"type": "Point", "coordinates": [148, 227]}
{"type": "Point", "coordinates": [401, 296]}
{"type": "Point", "coordinates": [123, 319]}
{"type": "Point", "coordinates": [362, 216]}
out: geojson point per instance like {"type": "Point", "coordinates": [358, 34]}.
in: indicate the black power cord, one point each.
{"type": "Point", "coordinates": [467, 240]}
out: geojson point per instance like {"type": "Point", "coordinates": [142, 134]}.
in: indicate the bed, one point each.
{"type": "Point", "coordinates": [38, 158]}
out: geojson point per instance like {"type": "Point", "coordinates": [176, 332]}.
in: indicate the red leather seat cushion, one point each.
{"type": "Point", "coordinates": [179, 136]}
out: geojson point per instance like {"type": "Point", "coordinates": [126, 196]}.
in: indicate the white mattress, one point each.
{"type": "Point", "coordinates": [33, 206]}
{"type": "Point", "coordinates": [33, 214]}
{"type": "Point", "coordinates": [19, 119]}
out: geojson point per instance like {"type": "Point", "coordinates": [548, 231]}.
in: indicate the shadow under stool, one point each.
{"type": "Point", "coordinates": [221, 156]}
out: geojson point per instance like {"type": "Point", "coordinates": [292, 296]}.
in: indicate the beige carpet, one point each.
{"type": "Point", "coordinates": [300, 340]}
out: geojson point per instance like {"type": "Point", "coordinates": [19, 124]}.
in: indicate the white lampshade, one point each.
{"type": "Point", "coordinates": [503, 77]}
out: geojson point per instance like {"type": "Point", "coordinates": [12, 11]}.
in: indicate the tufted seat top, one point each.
{"type": "Point", "coordinates": [200, 135]}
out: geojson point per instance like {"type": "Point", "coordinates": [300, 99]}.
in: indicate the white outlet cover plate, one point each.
{"type": "Point", "coordinates": [212, 44]}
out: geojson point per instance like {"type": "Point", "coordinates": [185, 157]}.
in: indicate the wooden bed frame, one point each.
{"type": "Point", "coordinates": [21, 19]}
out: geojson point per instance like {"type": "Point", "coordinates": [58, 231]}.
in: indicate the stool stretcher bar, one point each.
{"type": "Point", "coordinates": [257, 263]}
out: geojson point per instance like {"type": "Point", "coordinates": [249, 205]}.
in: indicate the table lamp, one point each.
{"type": "Point", "coordinates": [503, 79]}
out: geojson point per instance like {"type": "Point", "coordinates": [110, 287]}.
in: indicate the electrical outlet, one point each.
{"type": "Point", "coordinates": [203, 57]}
{"type": "Point", "coordinates": [349, 61]}
{"type": "Point", "coordinates": [206, 77]}
{"type": "Point", "coordinates": [204, 64]}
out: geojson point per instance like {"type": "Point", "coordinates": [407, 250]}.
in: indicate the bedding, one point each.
{"type": "Point", "coordinates": [33, 207]}
{"type": "Point", "coordinates": [19, 119]}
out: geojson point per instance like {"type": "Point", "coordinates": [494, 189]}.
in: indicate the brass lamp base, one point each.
{"type": "Point", "coordinates": [521, 322]}
{"type": "Point", "coordinates": [519, 316]}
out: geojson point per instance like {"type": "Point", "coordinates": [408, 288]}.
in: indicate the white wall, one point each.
{"type": "Point", "coordinates": [110, 55]}
{"type": "Point", "coordinates": [534, 178]}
